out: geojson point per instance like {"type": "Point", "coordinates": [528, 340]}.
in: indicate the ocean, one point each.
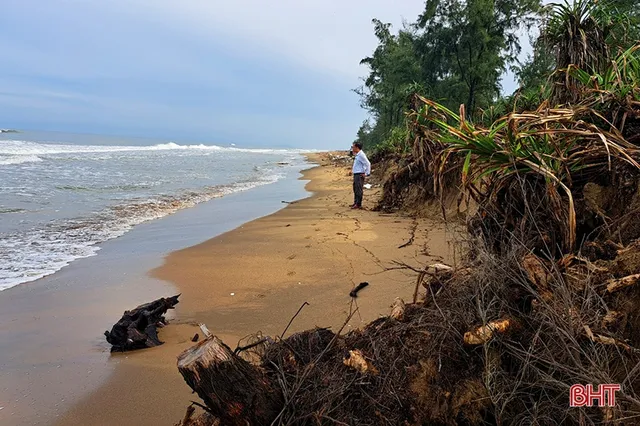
{"type": "Point", "coordinates": [61, 195]}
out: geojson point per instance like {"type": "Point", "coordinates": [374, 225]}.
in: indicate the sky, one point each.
{"type": "Point", "coordinates": [249, 72]}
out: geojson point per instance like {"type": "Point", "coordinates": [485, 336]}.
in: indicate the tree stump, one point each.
{"type": "Point", "coordinates": [233, 390]}
{"type": "Point", "coordinates": [137, 328]}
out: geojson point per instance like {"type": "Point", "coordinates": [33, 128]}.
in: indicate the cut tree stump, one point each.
{"type": "Point", "coordinates": [138, 328]}
{"type": "Point", "coordinates": [233, 390]}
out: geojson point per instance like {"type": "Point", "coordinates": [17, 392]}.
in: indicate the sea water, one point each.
{"type": "Point", "coordinates": [61, 195]}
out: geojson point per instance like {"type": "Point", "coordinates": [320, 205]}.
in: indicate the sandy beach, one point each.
{"type": "Point", "coordinates": [254, 279]}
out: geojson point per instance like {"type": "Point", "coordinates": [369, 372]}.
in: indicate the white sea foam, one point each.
{"type": "Point", "coordinates": [32, 254]}
{"type": "Point", "coordinates": [74, 197]}
{"type": "Point", "coordinates": [18, 147]}
{"type": "Point", "coordinates": [19, 159]}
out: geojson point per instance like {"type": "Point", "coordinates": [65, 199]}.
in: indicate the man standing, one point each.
{"type": "Point", "coordinates": [361, 168]}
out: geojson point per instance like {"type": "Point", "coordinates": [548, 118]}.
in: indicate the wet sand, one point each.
{"type": "Point", "coordinates": [255, 278]}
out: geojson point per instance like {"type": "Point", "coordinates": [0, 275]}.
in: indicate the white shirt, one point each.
{"type": "Point", "coordinates": [361, 164]}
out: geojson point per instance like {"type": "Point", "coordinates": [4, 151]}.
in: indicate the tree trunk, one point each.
{"type": "Point", "coordinates": [233, 390]}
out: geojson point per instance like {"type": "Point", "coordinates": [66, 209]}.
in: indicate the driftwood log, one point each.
{"type": "Point", "coordinates": [138, 328]}
{"type": "Point", "coordinates": [233, 390]}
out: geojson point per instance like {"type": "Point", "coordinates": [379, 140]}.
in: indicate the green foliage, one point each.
{"type": "Point", "coordinates": [576, 33]}
{"type": "Point", "coordinates": [583, 34]}
{"type": "Point", "coordinates": [534, 72]}
{"type": "Point", "coordinates": [393, 74]}
{"type": "Point", "coordinates": [553, 144]}
{"type": "Point", "coordinates": [455, 52]}
{"type": "Point", "coordinates": [471, 42]}
{"type": "Point", "coordinates": [615, 92]}
{"type": "Point", "coordinates": [396, 143]}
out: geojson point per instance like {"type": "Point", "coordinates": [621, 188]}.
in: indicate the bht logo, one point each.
{"type": "Point", "coordinates": [584, 396]}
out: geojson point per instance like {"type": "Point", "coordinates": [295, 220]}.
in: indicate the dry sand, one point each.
{"type": "Point", "coordinates": [255, 278]}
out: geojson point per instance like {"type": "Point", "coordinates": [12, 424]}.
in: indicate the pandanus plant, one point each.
{"type": "Point", "coordinates": [615, 91]}
{"type": "Point", "coordinates": [551, 143]}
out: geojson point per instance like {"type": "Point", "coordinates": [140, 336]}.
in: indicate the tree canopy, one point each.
{"type": "Point", "coordinates": [456, 51]}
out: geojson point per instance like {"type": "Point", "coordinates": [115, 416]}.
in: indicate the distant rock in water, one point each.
{"type": "Point", "coordinates": [9, 131]}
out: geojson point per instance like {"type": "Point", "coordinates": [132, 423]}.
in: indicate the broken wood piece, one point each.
{"type": "Point", "coordinates": [195, 338]}
{"type": "Point", "coordinates": [419, 281]}
{"type": "Point", "coordinates": [486, 332]}
{"type": "Point", "coordinates": [605, 340]}
{"type": "Point", "coordinates": [356, 360]}
{"type": "Point", "coordinates": [620, 283]}
{"type": "Point", "coordinates": [397, 309]}
{"type": "Point", "coordinates": [205, 330]}
{"type": "Point", "coordinates": [233, 390]}
{"type": "Point", "coordinates": [138, 328]}
{"type": "Point", "coordinates": [438, 268]}
{"type": "Point", "coordinates": [354, 292]}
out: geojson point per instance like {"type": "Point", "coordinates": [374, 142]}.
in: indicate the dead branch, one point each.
{"type": "Point", "coordinates": [620, 283]}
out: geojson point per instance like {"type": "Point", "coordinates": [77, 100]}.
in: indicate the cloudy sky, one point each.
{"type": "Point", "coordinates": [251, 72]}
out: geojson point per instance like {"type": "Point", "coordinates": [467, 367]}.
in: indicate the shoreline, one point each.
{"type": "Point", "coordinates": [52, 351]}
{"type": "Point", "coordinates": [255, 277]}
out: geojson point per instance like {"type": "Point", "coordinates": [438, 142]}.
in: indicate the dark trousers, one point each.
{"type": "Point", "coordinates": [358, 188]}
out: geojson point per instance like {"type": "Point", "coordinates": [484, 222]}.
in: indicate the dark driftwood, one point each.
{"type": "Point", "coordinates": [234, 391]}
{"type": "Point", "coordinates": [137, 328]}
{"type": "Point", "coordinates": [354, 292]}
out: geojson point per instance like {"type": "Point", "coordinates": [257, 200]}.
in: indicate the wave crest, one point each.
{"type": "Point", "coordinates": [19, 159]}
{"type": "Point", "coordinates": [18, 147]}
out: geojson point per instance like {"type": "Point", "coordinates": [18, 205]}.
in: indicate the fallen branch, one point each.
{"type": "Point", "coordinates": [620, 283]}
{"type": "Point", "coordinates": [598, 338]}
{"type": "Point", "coordinates": [419, 280]}
{"type": "Point", "coordinates": [293, 318]}
{"type": "Point", "coordinates": [252, 345]}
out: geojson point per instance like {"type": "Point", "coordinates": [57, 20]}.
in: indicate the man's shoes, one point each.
{"type": "Point", "coordinates": [354, 207]}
